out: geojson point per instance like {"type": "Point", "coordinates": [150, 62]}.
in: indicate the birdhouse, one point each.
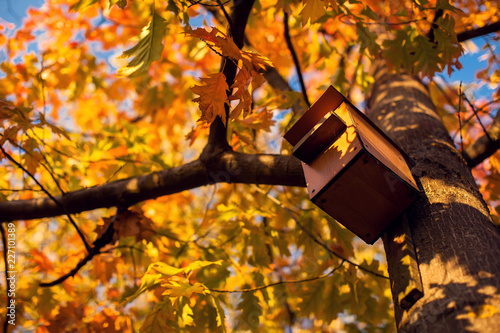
{"type": "Point", "coordinates": [353, 171]}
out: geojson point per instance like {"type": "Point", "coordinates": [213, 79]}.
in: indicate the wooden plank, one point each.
{"type": "Point", "coordinates": [329, 100]}
{"type": "Point", "coordinates": [365, 197]}
{"type": "Point", "coordinates": [384, 150]}
{"type": "Point", "coordinates": [320, 137]}
{"type": "Point", "coordinates": [331, 161]}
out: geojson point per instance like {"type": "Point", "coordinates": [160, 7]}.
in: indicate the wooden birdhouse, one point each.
{"type": "Point", "coordinates": [353, 171]}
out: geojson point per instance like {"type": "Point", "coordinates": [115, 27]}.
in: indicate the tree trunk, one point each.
{"type": "Point", "coordinates": [457, 245]}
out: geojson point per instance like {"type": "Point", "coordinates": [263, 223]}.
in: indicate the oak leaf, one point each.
{"type": "Point", "coordinates": [148, 49]}
{"type": "Point", "coordinates": [213, 97]}
{"type": "Point", "coordinates": [218, 40]}
{"type": "Point", "coordinates": [312, 11]}
{"type": "Point", "coordinates": [179, 288]}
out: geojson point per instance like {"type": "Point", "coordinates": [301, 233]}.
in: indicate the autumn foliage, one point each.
{"type": "Point", "coordinates": [92, 92]}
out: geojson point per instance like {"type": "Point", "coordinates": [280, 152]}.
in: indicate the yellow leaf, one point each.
{"type": "Point", "coordinates": [219, 40]}
{"type": "Point", "coordinates": [148, 48]}
{"type": "Point", "coordinates": [147, 281]}
{"type": "Point", "coordinates": [178, 289]}
{"type": "Point", "coordinates": [168, 270]}
{"type": "Point", "coordinates": [213, 96]}
{"type": "Point", "coordinates": [312, 11]}
{"type": "Point", "coordinates": [161, 319]}
{"type": "Point", "coordinates": [187, 315]}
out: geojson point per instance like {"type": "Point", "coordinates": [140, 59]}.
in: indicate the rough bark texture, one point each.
{"type": "Point", "coordinates": [457, 245]}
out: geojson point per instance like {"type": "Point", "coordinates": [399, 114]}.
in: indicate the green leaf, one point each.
{"type": "Point", "coordinates": [173, 7]}
{"type": "Point", "coordinates": [148, 48]}
{"type": "Point", "coordinates": [82, 4]}
{"type": "Point", "coordinates": [147, 281]}
{"type": "Point", "coordinates": [178, 289]}
{"type": "Point", "coordinates": [312, 298]}
{"type": "Point", "coordinates": [401, 12]}
{"type": "Point", "coordinates": [426, 56]}
{"type": "Point", "coordinates": [161, 319]}
{"type": "Point", "coordinates": [332, 303]}
{"type": "Point", "coordinates": [368, 12]}
{"type": "Point", "coordinates": [445, 4]}
{"type": "Point", "coordinates": [220, 314]}
{"type": "Point", "coordinates": [421, 3]}
{"type": "Point", "coordinates": [367, 38]}
{"type": "Point", "coordinates": [312, 11]}
{"type": "Point", "coordinates": [399, 50]}
{"type": "Point", "coordinates": [250, 311]}
{"type": "Point", "coordinates": [167, 270]}
{"type": "Point", "coordinates": [120, 3]}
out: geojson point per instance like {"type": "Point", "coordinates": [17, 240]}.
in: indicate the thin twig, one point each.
{"type": "Point", "coordinates": [42, 82]}
{"type": "Point", "coordinates": [20, 190]}
{"type": "Point", "coordinates": [114, 159]}
{"type": "Point", "coordinates": [198, 2]}
{"type": "Point", "coordinates": [291, 314]}
{"type": "Point", "coordinates": [314, 238]}
{"type": "Point", "coordinates": [477, 116]}
{"type": "Point", "coordinates": [80, 233]}
{"type": "Point", "coordinates": [459, 117]}
{"type": "Point", "coordinates": [281, 282]}
{"type": "Point", "coordinates": [46, 167]}
{"type": "Point", "coordinates": [492, 51]}
{"type": "Point", "coordinates": [341, 17]}
{"type": "Point", "coordinates": [468, 119]}
{"type": "Point", "coordinates": [226, 15]}
{"type": "Point", "coordinates": [99, 243]}
{"type": "Point", "coordinates": [288, 40]}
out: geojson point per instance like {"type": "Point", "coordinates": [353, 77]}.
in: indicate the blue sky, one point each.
{"type": "Point", "coordinates": [13, 10]}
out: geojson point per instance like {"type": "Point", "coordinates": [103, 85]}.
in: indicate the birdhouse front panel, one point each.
{"type": "Point", "coordinates": [365, 197]}
{"type": "Point", "coordinates": [319, 172]}
{"type": "Point", "coordinates": [353, 171]}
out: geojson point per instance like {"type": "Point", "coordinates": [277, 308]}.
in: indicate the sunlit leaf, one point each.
{"type": "Point", "coordinates": [213, 97]}
{"type": "Point", "coordinates": [148, 48]}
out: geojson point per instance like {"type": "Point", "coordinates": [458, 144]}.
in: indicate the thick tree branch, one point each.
{"type": "Point", "coordinates": [227, 167]}
{"type": "Point", "coordinates": [470, 34]}
{"type": "Point", "coordinates": [217, 140]}
{"type": "Point", "coordinates": [50, 197]}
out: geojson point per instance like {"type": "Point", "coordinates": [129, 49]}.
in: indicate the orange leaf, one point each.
{"type": "Point", "coordinates": [219, 40]}
{"type": "Point", "coordinates": [213, 96]}
{"type": "Point", "coordinates": [128, 224]}
{"type": "Point", "coordinates": [42, 263]}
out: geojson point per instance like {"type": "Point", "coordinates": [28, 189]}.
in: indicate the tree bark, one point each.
{"type": "Point", "coordinates": [457, 244]}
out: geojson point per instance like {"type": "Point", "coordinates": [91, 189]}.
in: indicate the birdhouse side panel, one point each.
{"type": "Point", "coordinates": [382, 149]}
{"type": "Point", "coordinates": [330, 162]}
{"type": "Point", "coordinates": [365, 197]}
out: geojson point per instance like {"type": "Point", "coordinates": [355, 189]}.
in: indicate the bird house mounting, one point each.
{"type": "Point", "coordinates": [353, 171]}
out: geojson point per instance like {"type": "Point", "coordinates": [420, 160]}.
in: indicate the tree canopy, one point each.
{"type": "Point", "coordinates": [144, 169]}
